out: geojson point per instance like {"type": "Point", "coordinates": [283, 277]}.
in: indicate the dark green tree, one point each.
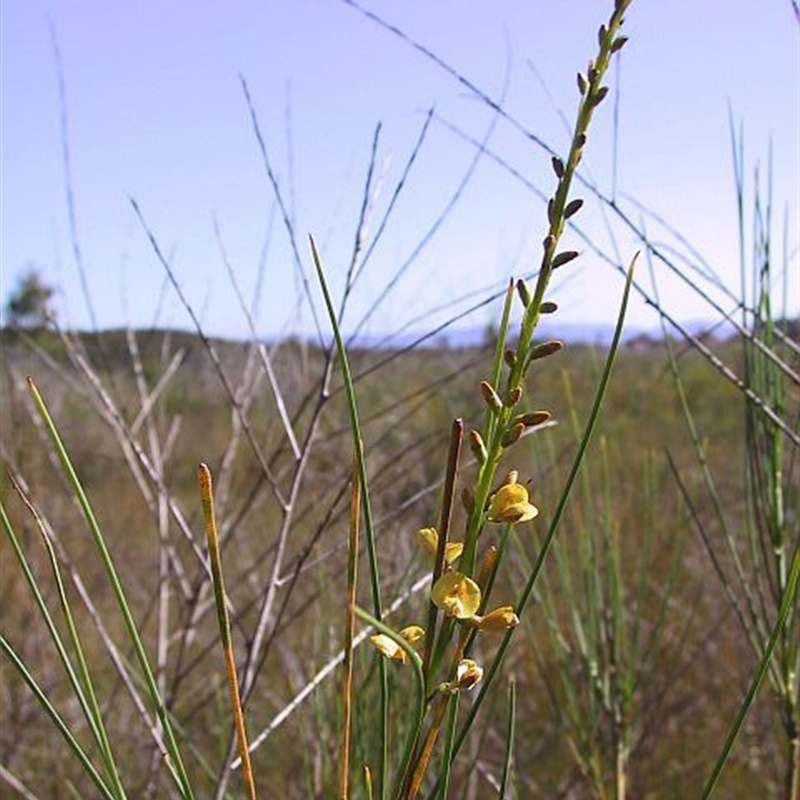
{"type": "Point", "coordinates": [29, 304]}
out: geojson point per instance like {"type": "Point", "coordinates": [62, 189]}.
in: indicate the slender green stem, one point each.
{"type": "Point", "coordinates": [55, 717]}
{"type": "Point", "coordinates": [84, 690]}
{"type": "Point", "coordinates": [510, 729]}
{"type": "Point", "coordinates": [174, 761]}
{"type": "Point", "coordinates": [55, 636]}
{"type": "Point", "coordinates": [417, 707]}
{"type": "Point", "coordinates": [369, 531]}
{"type": "Point", "coordinates": [447, 754]}
{"type": "Point", "coordinates": [787, 608]}
{"type": "Point", "coordinates": [557, 514]}
{"type": "Point", "coordinates": [349, 632]}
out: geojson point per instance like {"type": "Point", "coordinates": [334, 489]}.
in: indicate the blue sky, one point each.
{"type": "Point", "coordinates": [156, 112]}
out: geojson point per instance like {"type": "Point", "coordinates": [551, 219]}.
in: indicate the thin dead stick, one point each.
{"type": "Point", "coordinates": [262, 350]}
{"type": "Point", "coordinates": [349, 632]}
{"type": "Point", "coordinates": [207, 498]}
{"type": "Point", "coordinates": [163, 592]}
{"type": "Point", "coordinates": [456, 436]}
{"type": "Point", "coordinates": [213, 354]}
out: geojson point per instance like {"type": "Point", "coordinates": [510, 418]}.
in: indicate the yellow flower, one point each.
{"type": "Point", "coordinates": [510, 504]}
{"type": "Point", "coordinates": [389, 648]}
{"type": "Point", "coordinates": [457, 595]}
{"type": "Point", "coordinates": [429, 539]}
{"type": "Point", "coordinates": [468, 673]}
{"type": "Point", "coordinates": [412, 633]}
{"type": "Point", "coordinates": [501, 619]}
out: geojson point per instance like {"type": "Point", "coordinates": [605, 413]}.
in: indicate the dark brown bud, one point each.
{"type": "Point", "coordinates": [512, 434]}
{"type": "Point", "coordinates": [548, 307]}
{"type": "Point", "coordinates": [601, 35]}
{"type": "Point", "coordinates": [551, 210]}
{"type": "Point", "coordinates": [510, 357]}
{"type": "Point", "coordinates": [546, 349]}
{"type": "Point", "coordinates": [532, 418]}
{"type": "Point", "coordinates": [491, 397]}
{"type": "Point", "coordinates": [564, 258]}
{"type": "Point", "coordinates": [582, 84]}
{"type": "Point", "coordinates": [618, 43]}
{"type": "Point", "coordinates": [467, 499]}
{"type": "Point", "coordinates": [572, 208]}
{"type": "Point", "coordinates": [514, 396]}
{"type": "Point", "coordinates": [478, 447]}
{"type": "Point", "coordinates": [488, 560]}
{"type": "Point", "coordinates": [548, 241]}
{"type": "Point", "coordinates": [600, 95]}
{"type": "Point", "coordinates": [558, 166]}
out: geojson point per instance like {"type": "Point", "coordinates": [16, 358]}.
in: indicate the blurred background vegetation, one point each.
{"type": "Point", "coordinates": [687, 682]}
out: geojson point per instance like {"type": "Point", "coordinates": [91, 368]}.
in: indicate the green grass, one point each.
{"type": "Point", "coordinates": [689, 705]}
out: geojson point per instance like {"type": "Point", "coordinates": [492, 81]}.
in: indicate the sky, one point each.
{"type": "Point", "coordinates": [147, 101]}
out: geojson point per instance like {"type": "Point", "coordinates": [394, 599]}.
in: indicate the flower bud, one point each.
{"type": "Point", "coordinates": [551, 211]}
{"type": "Point", "coordinates": [600, 95]}
{"type": "Point", "coordinates": [488, 560]}
{"type": "Point", "coordinates": [572, 208]}
{"type": "Point", "coordinates": [478, 447]}
{"type": "Point", "coordinates": [548, 307]}
{"type": "Point", "coordinates": [619, 43]}
{"type": "Point", "coordinates": [558, 167]}
{"type": "Point", "coordinates": [532, 418]}
{"type": "Point", "coordinates": [491, 397]}
{"type": "Point", "coordinates": [563, 258]}
{"type": "Point", "coordinates": [524, 292]}
{"type": "Point", "coordinates": [514, 396]}
{"type": "Point", "coordinates": [546, 349]}
{"type": "Point", "coordinates": [512, 434]}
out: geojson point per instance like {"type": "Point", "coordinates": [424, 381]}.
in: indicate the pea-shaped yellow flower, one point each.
{"type": "Point", "coordinates": [468, 673]}
{"type": "Point", "coordinates": [510, 505]}
{"type": "Point", "coordinates": [498, 621]}
{"type": "Point", "coordinates": [390, 649]}
{"type": "Point", "coordinates": [429, 539]}
{"type": "Point", "coordinates": [457, 595]}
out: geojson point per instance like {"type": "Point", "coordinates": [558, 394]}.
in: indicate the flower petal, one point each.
{"type": "Point", "coordinates": [499, 620]}
{"type": "Point", "coordinates": [457, 595]}
{"type": "Point", "coordinates": [510, 504]}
